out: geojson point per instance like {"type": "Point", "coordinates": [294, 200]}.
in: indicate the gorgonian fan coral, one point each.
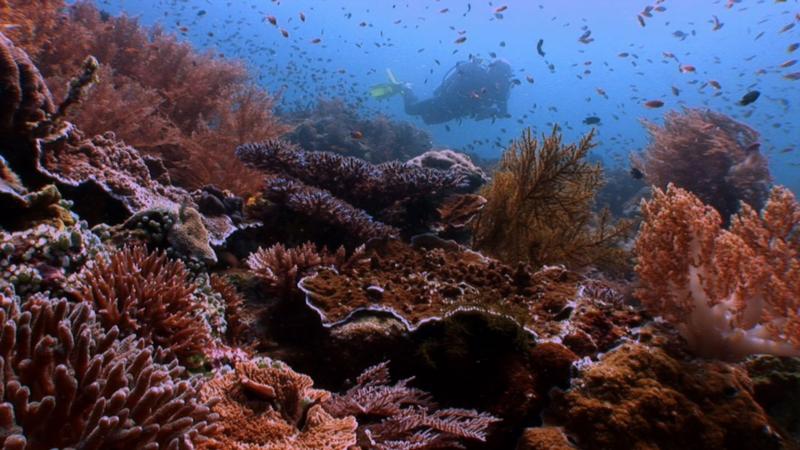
{"type": "Point", "coordinates": [283, 267]}
{"type": "Point", "coordinates": [710, 155]}
{"type": "Point", "coordinates": [732, 292]}
{"type": "Point", "coordinates": [401, 195]}
{"type": "Point", "coordinates": [539, 207]}
{"type": "Point", "coordinates": [399, 417]}
{"type": "Point", "coordinates": [157, 94]}
{"type": "Point", "coordinates": [265, 405]}
{"type": "Point", "coordinates": [148, 295]}
{"type": "Point", "coordinates": [66, 383]}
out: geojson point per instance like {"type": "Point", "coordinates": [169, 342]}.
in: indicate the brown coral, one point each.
{"type": "Point", "coordinates": [24, 96]}
{"type": "Point", "coordinates": [234, 304]}
{"type": "Point", "coordinates": [709, 154]}
{"type": "Point", "coordinates": [282, 268]}
{"type": "Point", "coordinates": [148, 295]}
{"type": "Point", "coordinates": [729, 292]}
{"type": "Point", "coordinates": [395, 417]}
{"type": "Point", "coordinates": [265, 405]}
{"type": "Point", "coordinates": [539, 207]}
{"type": "Point", "coordinates": [641, 397]}
{"type": "Point", "coordinates": [67, 384]}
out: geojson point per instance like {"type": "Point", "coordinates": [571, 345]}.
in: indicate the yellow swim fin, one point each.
{"type": "Point", "coordinates": [386, 90]}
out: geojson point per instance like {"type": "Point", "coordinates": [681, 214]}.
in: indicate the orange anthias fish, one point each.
{"type": "Point", "coordinates": [652, 104]}
{"type": "Point", "coordinates": [686, 68]}
{"type": "Point", "coordinates": [272, 20]}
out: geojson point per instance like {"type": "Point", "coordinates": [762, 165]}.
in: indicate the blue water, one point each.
{"type": "Point", "coordinates": [360, 39]}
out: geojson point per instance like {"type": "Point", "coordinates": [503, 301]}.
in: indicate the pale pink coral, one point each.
{"type": "Point", "coordinates": [730, 292]}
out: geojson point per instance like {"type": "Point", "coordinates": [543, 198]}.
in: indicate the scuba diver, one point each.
{"type": "Point", "coordinates": [469, 89]}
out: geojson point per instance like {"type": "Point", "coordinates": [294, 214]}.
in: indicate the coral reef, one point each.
{"type": "Point", "coordinates": [398, 416]}
{"type": "Point", "coordinates": [155, 93]}
{"type": "Point", "coordinates": [539, 207]}
{"type": "Point", "coordinates": [147, 295]}
{"type": "Point", "coordinates": [347, 190]}
{"type": "Point", "coordinates": [446, 159]}
{"type": "Point", "coordinates": [265, 405]}
{"type": "Point", "coordinates": [25, 98]}
{"type": "Point", "coordinates": [710, 155]}
{"type": "Point", "coordinates": [333, 126]}
{"type": "Point", "coordinates": [731, 292]}
{"type": "Point", "coordinates": [642, 397]}
{"type": "Point", "coordinates": [61, 372]}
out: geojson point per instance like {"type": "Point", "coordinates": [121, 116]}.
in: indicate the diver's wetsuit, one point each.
{"type": "Point", "coordinates": [470, 91]}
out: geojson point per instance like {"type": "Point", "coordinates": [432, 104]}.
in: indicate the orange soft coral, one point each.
{"type": "Point", "coordinates": [730, 293]}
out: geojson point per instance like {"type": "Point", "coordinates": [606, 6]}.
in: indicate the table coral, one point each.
{"type": "Point", "coordinates": [61, 372]}
{"type": "Point", "coordinates": [729, 292]}
{"type": "Point", "coordinates": [265, 405]}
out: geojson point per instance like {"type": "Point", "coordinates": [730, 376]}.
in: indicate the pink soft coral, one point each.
{"type": "Point", "coordinates": [733, 292]}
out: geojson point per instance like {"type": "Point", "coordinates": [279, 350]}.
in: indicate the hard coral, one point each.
{"type": "Point", "coordinates": [398, 194]}
{"type": "Point", "coordinates": [730, 292]}
{"type": "Point", "coordinates": [641, 397]}
{"type": "Point", "coordinates": [397, 417]}
{"type": "Point", "coordinates": [24, 96]}
{"type": "Point", "coordinates": [710, 155]}
{"type": "Point", "coordinates": [147, 295]}
{"type": "Point", "coordinates": [61, 372]}
{"type": "Point", "coordinates": [539, 207]}
{"type": "Point", "coordinates": [265, 405]}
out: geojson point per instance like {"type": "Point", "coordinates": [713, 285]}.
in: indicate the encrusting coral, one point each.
{"type": "Point", "coordinates": [710, 155]}
{"type": "Point", "coordinates": [729, 292]}
{"type": "Point", "coordinates": [395, 417]}
{"type": "Point", "coordinates": [265, 405]}
{"type": "Point", "coordinates": [539, 207]}
{"type": "Point", "coordinates": [351, 192]}
{"type": "Point", "coordinates": [68, 384]}
{"type": "Point", "coordinates": [148, 295]}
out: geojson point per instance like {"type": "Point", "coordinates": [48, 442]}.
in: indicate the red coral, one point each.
{"type": "Point", "coordinates": [709, 154]}
{"type": "Point", "coordinates": [730, 293]}
{"type": "Point", "coordinates": [148, 295]}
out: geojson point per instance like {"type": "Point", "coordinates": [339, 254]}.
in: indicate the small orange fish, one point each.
{"type": "Point", "coordinates": [272, 20]}
{"type": "Point", "coordinates": [715, 84]}
{"type": "Point", "coordinates": [316, 41]}
{"type": "Point", "coordinates": [284, 33]}
{"type": "Point", "coordinates": [686, 68]}
{"type": "Point", "coordinates": [652, 104]}
{"type": "Point", "coordinates": [789, 63]}
{"type": "Point", "coordinates": [792, 47]}
{"type": "Point", "coordinates": [461, 40]}
{"type": "Point", "coordinates": [500, 9]}
{"type": "Point", "coordinates": [355, 134]}
{"type": "Point", "coordinates": [184, 29]}
{"type": "Point", "coordinates": [787, 27]}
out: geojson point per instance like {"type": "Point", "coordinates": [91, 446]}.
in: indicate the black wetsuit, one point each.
{"type": "Point", "coordinates": [469, 91]}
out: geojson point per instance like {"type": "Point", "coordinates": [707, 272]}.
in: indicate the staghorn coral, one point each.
{"type": "Point", "coordinates": [642, 397]}
{"type": "Point", "coordinates": [731, 292]}
{"type": "Point", "coordinates": [265, 405]}
{"type": "Point", "coordinates": [283, 267]}
{"type": "Point", "coordinates": [61, 372]}
{"type": "Point", "coordinates": [710, 155]}
{"type": "Point", "coordinates": [399, 417]}
{"type": "Point", "coordinates": [189, 107]}
{"type": "Point", "coordinates": [148, 295]}
{"type": "Point", "coordinates": [539, 207]}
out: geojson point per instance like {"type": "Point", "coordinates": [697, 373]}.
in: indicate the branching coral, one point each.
{"type": "Point", "coordinates": [282, 268]}
{"type": "Point", "coordinates": [539, 207]}
{"type": "Point", "coordinates": [157, 94]}
{"type": "Point", "coordinates": [398, 194]}
{"type": "Point", "coordinates": [267, 406]}
{"type": "Point", "coordinates": [709, 154]}
{"type": "Point", "coordinates": [399, 417]}
{"type": "Point", "coordinates": [67, 384]}
{"type": "Point", "coordinates": [234, 303]}
{"type": "Point", "coordinates": [730, 292]}
{"type": "Point", "coordinates": [148, 295]}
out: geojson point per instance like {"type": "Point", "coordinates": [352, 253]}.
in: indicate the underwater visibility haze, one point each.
{"type": "Point", "coordinates": [395, 225]}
